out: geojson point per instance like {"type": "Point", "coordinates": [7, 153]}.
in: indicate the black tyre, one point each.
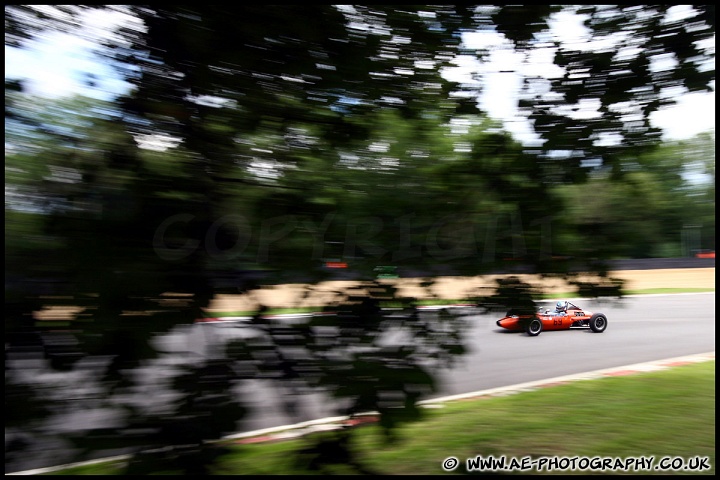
{"type": "Point", "coordinates": [598, 323]}
{"type": "Point", "coordinates": [534, 327]}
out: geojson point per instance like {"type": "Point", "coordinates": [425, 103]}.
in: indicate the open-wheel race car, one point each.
{"type": "Point", "coordinates": [566, 316]}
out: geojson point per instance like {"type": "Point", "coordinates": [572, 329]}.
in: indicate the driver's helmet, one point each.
{"type": "Point", "coordinates": [561, 306]}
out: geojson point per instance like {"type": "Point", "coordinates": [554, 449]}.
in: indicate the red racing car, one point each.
{"type": "Point", "coordinates": [572, 317]}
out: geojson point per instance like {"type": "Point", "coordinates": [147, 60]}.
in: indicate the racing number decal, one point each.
{"type": "Point", "coordinates": [557, 322]}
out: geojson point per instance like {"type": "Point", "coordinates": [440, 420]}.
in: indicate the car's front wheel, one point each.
{"type": "Point", "coordinates": [598, 323]}
{"type": "Point", "coordinates": [534, 327]}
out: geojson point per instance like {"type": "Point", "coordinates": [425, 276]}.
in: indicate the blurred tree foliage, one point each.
{"type": "Point", "coordinates": [260, 141]}
{"type": "Point", "coordinates": [635, 60]}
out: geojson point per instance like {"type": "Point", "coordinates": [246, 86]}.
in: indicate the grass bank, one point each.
{"type": "Point", "coordinates": [456, 301]}
{"type": "Point", "coordinates": [663, 414]}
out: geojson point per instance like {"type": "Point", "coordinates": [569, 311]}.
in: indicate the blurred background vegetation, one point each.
{"type": "Point", "coordinates": [257, 143]}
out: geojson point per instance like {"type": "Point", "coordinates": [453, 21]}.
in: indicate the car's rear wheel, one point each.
{"type": "Point", "coordinates": [598, 323]}
{"type": "Point", "coordinates": [534, 327]}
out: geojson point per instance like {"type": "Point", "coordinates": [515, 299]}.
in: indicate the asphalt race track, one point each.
{"type": "Point", "coordinates": [640, 329]}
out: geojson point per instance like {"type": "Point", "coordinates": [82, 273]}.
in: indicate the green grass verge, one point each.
{"type": "Point", "coordinates": [669, 413]}
{"type": "Point", "coordinates": [668, 290]}
{"type": "Point", "coordinates": [649, 291]}
{"type": "Point", "coordinates": [438, 301]}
